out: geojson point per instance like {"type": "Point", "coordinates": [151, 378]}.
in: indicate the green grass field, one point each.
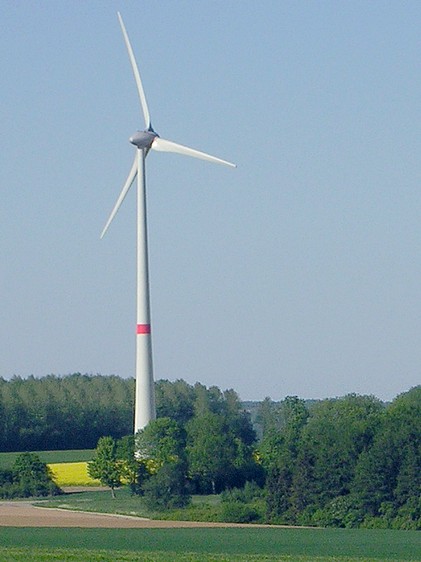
{"type": "Point", "coordinates": [231, 544]}
{"type": "Point", "coordinates": [204, 508]}
{"type": "Point", "coordinates": [45, 555]}
{"type": "Point", "coordinates": [7, 459]}
{"type": "Point", "coordinates": [82, 555]}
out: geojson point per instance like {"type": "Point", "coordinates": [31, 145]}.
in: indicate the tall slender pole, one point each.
{"type": "Point", "coordinates": [145, 394]}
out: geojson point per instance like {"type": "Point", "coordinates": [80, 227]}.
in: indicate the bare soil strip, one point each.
{"type": "Point", "coordinates": [24, 514]}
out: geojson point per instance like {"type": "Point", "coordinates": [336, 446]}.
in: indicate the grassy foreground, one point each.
{"type": "Point", "coordinates": [231, 544]}
{"type": "Point", "coordinates": [45, 555]}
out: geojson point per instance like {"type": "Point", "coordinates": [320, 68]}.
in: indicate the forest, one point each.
{"type": "Point", "coordinates": [351, 461]}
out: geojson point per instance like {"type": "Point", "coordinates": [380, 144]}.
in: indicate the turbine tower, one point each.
{"type": "Point", "coordinates": [144, 141]}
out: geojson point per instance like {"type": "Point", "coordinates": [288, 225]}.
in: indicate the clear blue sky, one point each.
{"type": "Point", "coordinates": [299, 273]}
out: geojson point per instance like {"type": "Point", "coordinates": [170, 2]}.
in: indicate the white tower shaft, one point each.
{"type": "Point", "coordinates": [145, 393]}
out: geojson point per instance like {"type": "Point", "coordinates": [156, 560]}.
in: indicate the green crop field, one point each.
{"type": "Point", "coordinates": [327, 545]}
{"type": "Point", "coordinates": [83, 555]}
{"type": "Point", "coordinates": [203, 508]}
{"type": "Point", "coordinates": [7, 459]}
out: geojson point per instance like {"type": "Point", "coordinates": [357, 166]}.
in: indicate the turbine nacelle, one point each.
{"type": "Point", "coordinates": [143, 139]}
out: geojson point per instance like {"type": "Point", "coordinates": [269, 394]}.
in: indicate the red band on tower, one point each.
{"type": "Point", "coordinates": [143, 329]}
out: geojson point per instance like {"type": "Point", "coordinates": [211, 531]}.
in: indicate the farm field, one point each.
{"type": "Point", "coordinates": [49, 457]}
{"type": "Point", "coordinates": [46, 555]}
{"type": "Point", "coordinates": [69, 468]}
{"type": "Point", "coordinates": [229, 544]}
{"type": "Point", "coordinates": [72, 474]}
{"type": "Point", "coordinates": [203, 508]}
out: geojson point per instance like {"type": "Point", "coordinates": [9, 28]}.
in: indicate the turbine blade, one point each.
{"type": "Point", "coordinates": [124, 191]}
{"type": "Point", "coordinates": [135, 69]}
{"type": "Point", "coordinates": [162, 145]}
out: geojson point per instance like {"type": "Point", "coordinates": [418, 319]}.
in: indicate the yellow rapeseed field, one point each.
{"type": "Point", "coordinates": [72, 474]}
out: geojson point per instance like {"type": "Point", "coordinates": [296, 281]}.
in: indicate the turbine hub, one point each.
{"type": "Point", "coordinates": [143, 139]}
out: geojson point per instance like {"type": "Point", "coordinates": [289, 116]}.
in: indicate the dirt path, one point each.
{"type": "Point", "coordinates": [24, 514]}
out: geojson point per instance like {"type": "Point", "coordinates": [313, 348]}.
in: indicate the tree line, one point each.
{"type": "Point", "coordinates": [345, 462]}
{"type": "Point", "coordinates": [348, 462]}
{"type": "Point", "coordinates": [171, 459]}
{"type": "Point", "coordinates": [71, 412]}
{"type": "Point", "coordinates": [201, 442]}
{"type": "Point", "coordinates": [74, 411]}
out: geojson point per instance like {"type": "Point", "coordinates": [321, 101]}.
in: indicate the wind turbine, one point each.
{"type": "Point", "coordinates": [144, 141]}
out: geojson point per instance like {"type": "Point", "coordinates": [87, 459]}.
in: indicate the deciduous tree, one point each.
{"type": "Point", "coordinates": [105, 466]}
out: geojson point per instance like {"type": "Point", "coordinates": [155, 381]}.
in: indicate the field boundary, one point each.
{"type": "Point", "coordinates": [26, 514]}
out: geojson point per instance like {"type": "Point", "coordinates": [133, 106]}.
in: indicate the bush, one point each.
{"type": "Point", "coordinates": [203, 512]}
{"type": "Point", "coordinates": [342, 511]}
{"type": "Point", "coordinates": [242, 505]}
{"type": "Point", "coordinates": [8, 489]}
{"type": "Point", "coordinates": [167, 488]}
{"type": "Point", "coordinates": [409, 516]}
{"type": "Point", "coordinates": [29, 477]}
{"type": "Point", "coordinates": [238, 512]}
{"type": "Point", "coordinates": [372, 522]}
{"type": "Point", "coordinates": [249, 493]}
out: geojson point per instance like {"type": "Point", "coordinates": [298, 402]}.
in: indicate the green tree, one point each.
{"type": "Point", "coordinates": [28, 477]}
{"type": "Point", "coordinates": [159, 443]}
{"type": "Point", "coordinates": [132, 470]}
{"type": "Point", "coordinates": [236, 418]}
{"type": "Point", "coordinates": [278, 452]}
{"type": "Point", "coordinates": [266, 417]}
{"type": "Point", "coordinates": [166, 489]}
{"type": "Point", "coordinates": [105, 465]}
{"type": "Point", "coordinates": [338, 431]}
{"type": "Point", "coordinates": [211, 452]}
{"type": "Point", "coordinates": [174, 400]}
{"type": "Point", "coordinates": [388, 475]}
{"type": "Point", "coordinates": [408, 481]}
{"type": "Point", "coordinates": [160, 448]}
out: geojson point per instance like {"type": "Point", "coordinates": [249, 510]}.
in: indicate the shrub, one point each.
{"type": "Point", "coordinates": [8, 488]}
{"type": "Point", "coordinates": [6, 477]}
{"type": "Point", "coordinates": [342, 511]}
{"type": "Point", "coordinates": [249, 493]}
{"type": "Point", "coordinates": [29, 477]}
{"type": "Point", "coordinates": [238, 512]}
{"type": "Point", "coordinates": [409, 516]}
{"type": "Point", "coordinates": [202, 512]}
{"type": "Point", "coordinates": [167, 488]}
